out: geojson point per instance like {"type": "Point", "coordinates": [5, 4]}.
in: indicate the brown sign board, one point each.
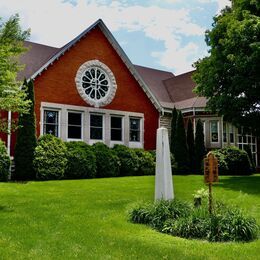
{"type": "Point", "coordinates": [210, 168]}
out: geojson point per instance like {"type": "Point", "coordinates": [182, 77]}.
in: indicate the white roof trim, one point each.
{"type": "Point", "coordinates": [119, 51]}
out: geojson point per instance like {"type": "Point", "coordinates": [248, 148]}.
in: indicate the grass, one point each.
{"type": "Point", "coordinates": [87, 219]}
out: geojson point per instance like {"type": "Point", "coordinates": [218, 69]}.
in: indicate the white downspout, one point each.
{"type": "Point", "coordinates": [9, 118]}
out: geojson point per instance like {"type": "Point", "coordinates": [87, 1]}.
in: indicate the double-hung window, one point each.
{"type": "Point", "coordinates": [135, 128]}
{"type": "Point", "coordinates": [51, 122]}
{"type": "Point", "coordinates": [116, 128]}
{"type": "Point", "coordinates": [214, 133]}
{"type": "Point", "coordinates": [75, 125]}
{"type": "Point", "coordinates": [96, 127]}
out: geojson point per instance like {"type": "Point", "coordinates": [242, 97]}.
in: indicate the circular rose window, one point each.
{"type": "Point", "coordinates": [96, 83]}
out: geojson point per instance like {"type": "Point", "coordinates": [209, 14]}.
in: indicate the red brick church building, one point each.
{"type": "Point", "coordinates": [89, 90]}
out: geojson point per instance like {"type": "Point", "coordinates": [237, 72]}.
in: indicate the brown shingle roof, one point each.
{"type": "Point", "coordinates": [36, 56]}
{"type": "Point", "coordinates": [154, 79]}
{"type": "Point", "coordinates": [180, 87]}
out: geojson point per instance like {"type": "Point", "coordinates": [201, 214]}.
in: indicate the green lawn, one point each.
{"type": "Point", "coordinates": [86, 219]}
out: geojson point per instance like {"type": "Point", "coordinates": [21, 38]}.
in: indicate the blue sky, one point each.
{"type": "Point", "coordinates": [162, 34]}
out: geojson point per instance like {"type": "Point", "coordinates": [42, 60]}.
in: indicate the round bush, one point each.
{"type": "Point", "coordinates": [50, 160]}
{"type": "Point", "coordinates": [107, 161]}
{"type": "Point", "coordinates": [233, 161]}
{"type": "Point", "coordinates": [5, 162]}
{"type": "Point", "coordinates": [129, 161]}
{"type": "Point", "coordinates": [81, 161]}
{"type": "Point", "coordinates": [222, 164]}
{"type": "Point", "coordinates": [146, 162]}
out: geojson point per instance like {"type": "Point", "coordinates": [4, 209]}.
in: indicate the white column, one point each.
{"type": "Point", "coordinates": [163, 177]}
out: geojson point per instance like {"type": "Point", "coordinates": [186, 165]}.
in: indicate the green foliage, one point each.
{"type": "Point", "coordinates": [180, 219]}
{"type": "Point", "coordinates": [106, 160]}
{"type": "Point", "coordinates": [81, 161]}
{"type": "Point", "coordinates": [156, 214]}
{"type": "Point", "coordinates": [26, 139]}
{"type": "Point", "coordinates": [50, 160]}
{"type": "Point", "coordinates": [229, 77]}
{"type": "Point", "coordinates": [4, 162]}
{"type": "Point", "coordinates": [191, 145]}
{"type": "Point", "coordinates": [173, 130]}
{"type": "Point", "coordinates": [252, 161]}
{"type": "Point", "coordinates": [129, 161]}
{"type": "Point", "coordinates": [181, 151]}
{"type": "Point", "coordinates": [146, 162]}
{"type": "Point", "coordinates": [12, 97]}
{"type": "Point", "coordinates": [233, 161]}
{"type": "Point", "coordinates": [225, 224]}
{"type": "Point", "coordinates": [199, 147]}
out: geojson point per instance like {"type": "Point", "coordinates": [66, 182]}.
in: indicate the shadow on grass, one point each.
{"type": "Point", "coordinates": [247, 184]}
{"type": "Point", "coordinates": [5, 209]}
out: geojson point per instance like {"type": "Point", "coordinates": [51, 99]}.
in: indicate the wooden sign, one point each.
{"type": "Point", "coordinates": [210, 168]}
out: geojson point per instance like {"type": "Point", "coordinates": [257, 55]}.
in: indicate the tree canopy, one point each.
{"type": "Point", "coordinates": [12, 96]}
{"type": "Point", "coordinates": [230, 76]}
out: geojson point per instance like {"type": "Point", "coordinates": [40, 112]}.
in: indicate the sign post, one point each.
{"type": "Point", "coordinates": [210, 174]}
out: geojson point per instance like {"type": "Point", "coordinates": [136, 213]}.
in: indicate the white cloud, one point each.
{"type": "Point", "coordinates": [55, 22]}
{"type": "Point", "coordinates": [221, 3]}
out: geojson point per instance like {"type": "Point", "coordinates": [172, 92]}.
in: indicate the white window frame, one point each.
{"type": "Point", "coordinates": [67, 126]}
{"type": "Point", "coordinates": [63, 110]}
{"type": "Point", "coordinates": [113, 142]}
{"type": "Point", "coordinates": [137, 144]}
{"type": "Point", "coordinates": [93, 141]}
{"type": "Point", "coordinates": [42, 119]}
{"type": "Point", "coordinates": [210, 132]}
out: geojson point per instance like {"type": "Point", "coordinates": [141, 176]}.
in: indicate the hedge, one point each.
{"type": "Point", "coordinates": [81, 161]}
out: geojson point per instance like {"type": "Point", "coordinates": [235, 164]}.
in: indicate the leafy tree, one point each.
{"type": "Point", "coordinates": [173, 129]}
{"type": "Point", "coordinates": [26, 139]}
{"type": "Point", "coordinates": [190, 144]}
{"type": "Point", "coordinates": [181, 151]}
{"type": "Point", "coordinates": [12, 97]}
{"type": "Point", "coordinates": [199, 147]}
{"type": "Point", "coordinates": [229, 77]}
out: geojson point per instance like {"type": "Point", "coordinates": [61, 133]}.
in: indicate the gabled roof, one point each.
{"type": "Point", "coordinates": [163, 88]}
{"type": "Point", "coordinates": [56, 55]}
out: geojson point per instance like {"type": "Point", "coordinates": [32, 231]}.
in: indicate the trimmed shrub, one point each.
{"type": "Point", "coordinates": [129, 161]}
{"type": "Point", "coordinates": [50, 160]}
{"type": "Point", "coordinates": [233, 161]}
{"type": "Point", "coordinates": [26, 140]}
{"type": "Point", "coordinates": [222, 164]}
{"type": "Point", "coordinates": [107, 161]}
{"type": "Point", "coordinates": [250, 155]}
{"type": "Point", "coordinates": [146, 162]}
{"type": "Point", "coordinates": [81, 161]}
{"type": "Point", "coordinates": [5, 162]}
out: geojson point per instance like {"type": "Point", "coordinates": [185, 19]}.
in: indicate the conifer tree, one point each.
{"type": "Point", "coordinates": [181, 151]}
{"type": "Point", "coordinates": [190, 144]}
{"type": "Point", "coordinates": [200, 150]}
{"type": "Point", "coordinates": [26, 140]}
{"type": "Point", "coordinates": [173, 129]}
